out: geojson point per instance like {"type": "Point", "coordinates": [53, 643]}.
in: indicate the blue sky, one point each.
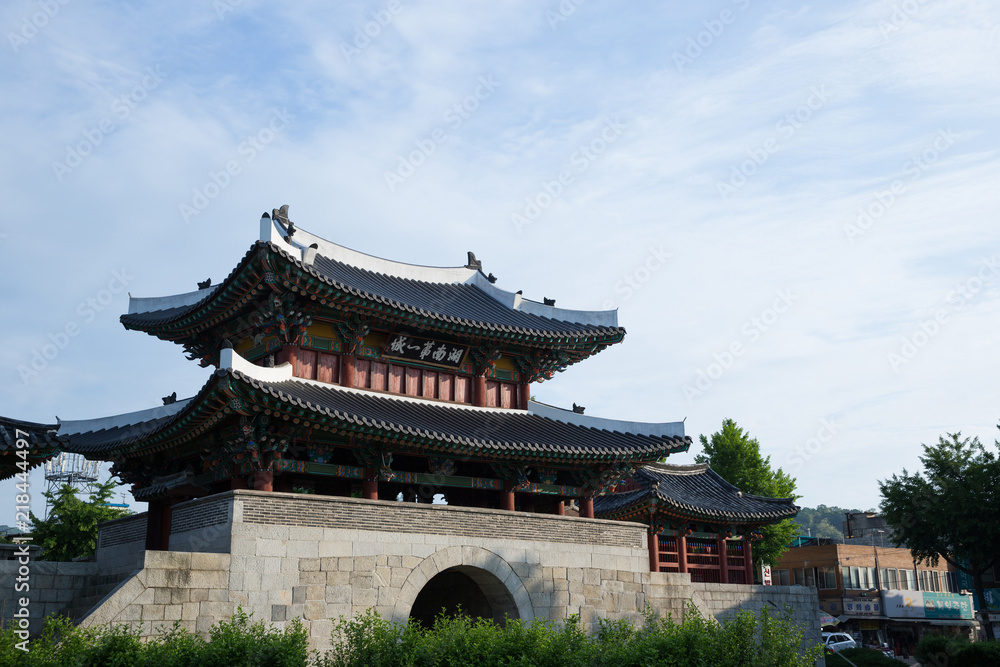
{"type": "Point", "coordinates": [793, 206]}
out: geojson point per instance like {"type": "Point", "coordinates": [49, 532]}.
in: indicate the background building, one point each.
{"type": "Point", "coordinates": [880, 595]}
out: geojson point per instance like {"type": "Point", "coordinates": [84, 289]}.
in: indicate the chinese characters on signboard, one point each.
{"type": "Point", "coordinates": [411, 348]}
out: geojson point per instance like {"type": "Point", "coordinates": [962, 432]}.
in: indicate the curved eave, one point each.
{"type": "Point", "coordinates": [231, 391]}
{"type": "Point", "coordinates": [234, 293]}
{"type": "Point", "coordinates": [421, 440]}
{"type": "Point", "coordinates": [43, 444]}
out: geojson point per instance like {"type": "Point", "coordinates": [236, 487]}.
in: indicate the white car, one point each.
{"type": "Point", "coordinates": [838, 641]}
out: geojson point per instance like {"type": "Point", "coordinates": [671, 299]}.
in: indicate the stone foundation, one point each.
{"type": "Point", "coordinates": [282, 556]}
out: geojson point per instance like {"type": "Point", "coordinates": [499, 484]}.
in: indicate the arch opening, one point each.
{"type": "Point", "coordinates": [478, 593]}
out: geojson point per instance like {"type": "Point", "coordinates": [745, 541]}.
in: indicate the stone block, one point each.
{"type": "Point", "coordinates": [279, 612]}
{"type": "Point", "coordinates": [364, 564]}
{"type": "Point", "coordinates": [381, 560]}
{"type": "Point", "coordinates": [558, 573]}
{"type": "Point", "coordinates": [132, 612]}
{"type": "Point", "coordinates": [179, 595]}
{"type": "Point", "coordinates": [365, 597]}
{"type": "Point", "coordinates": [217, 609]}
{"type": "Point", "coordinates": [339, 595]}
{"type": "Point", "coordinates": [312, 578]}
{"type": "Point", "coordinates": [204, 561]}
{"type": "Point", "coordinates": [347, 564]}
{"type": "Point", "coordinates": [316, 592]}
{"type": "Point", "coordinates": [152, 612]}
{"type": "Point", "coordinates": [190, 611]}
{"type": "Point", "coordinates": [383, 575]}
{"type": "Point", "coordinates": [411, 562]}
{"type": "Point", "coordinates": [302, 549]}
{"type": "Point", "coordinates": [203, 624]}
{"type": "Point", "coordinates": [309, 564]}
{"type": "Point", "coordinates": [161, 595]}
{"type": "Point", "coordinates": [298, 594]}
{"type": "Point", "coordinates": [218, 595]}
{"type": "Point", "coordinates": [335, 548]}
{"type": "Point", "coordinates": [172, 612]}
{"type": "Point", "coordinates": [337, 578]}
{"type": "Point", "coordinates": [315, 609]}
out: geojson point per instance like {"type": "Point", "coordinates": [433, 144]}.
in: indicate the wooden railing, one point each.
{"type": "Point", "coordinates": [701, 559]}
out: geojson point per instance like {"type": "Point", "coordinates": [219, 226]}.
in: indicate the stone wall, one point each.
{"type": "Point", "coordinates": [284, 556]}
{"type": "Point", "coordinates": [120, 543]}
{"type": "Point", "coordinates": [52, 587]}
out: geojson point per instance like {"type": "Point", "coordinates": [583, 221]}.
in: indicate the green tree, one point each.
{"type": "Point", "coordinates": [952, 511]}
{"type": "Point", "coordinates": [735, 456]}
{"type": "Point", "coordinates": [70, 531]}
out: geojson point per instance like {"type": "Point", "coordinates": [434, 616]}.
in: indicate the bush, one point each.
{"type": "Point", "coordinates": [745, 639]}
{"type": "Point", "coordinates": [980, 654]}
{"type": "Point", "coordinates": [861, 657]}
{"type": "Point", "coordinates": [234, 643]}
{"type": "Point", "coordinates": [371, 641]}
{"type": "Point", "coordinates": [936, 650]}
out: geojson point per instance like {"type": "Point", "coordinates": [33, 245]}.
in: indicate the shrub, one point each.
{"type": "Point", "coordinates": [980, 654]}
{"type": "Point", "coordinates": [745, 639]}
{"type": "Point", "coordinates": [937, 650]}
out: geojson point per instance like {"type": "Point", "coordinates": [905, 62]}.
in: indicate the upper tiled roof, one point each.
{"type": "Point", "coordinates": [450, 296]}
{"type": "Point", "coordinates": [694, 492]}
{"type": "Point", "coordinates": [43, 444]}
{"type": "Point", "coordinates": [491, 433]}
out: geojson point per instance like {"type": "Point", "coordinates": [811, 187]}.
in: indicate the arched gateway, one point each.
{"type": "Point", "coordinates": [479, 580]}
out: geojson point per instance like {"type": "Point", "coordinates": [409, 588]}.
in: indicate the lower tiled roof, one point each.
{"type": "Point", "coordinates": [43, 444]}
{"type": "Point", "coordinates": [429, 426]}
{"type": "Point", "coordinates": [693, 492]}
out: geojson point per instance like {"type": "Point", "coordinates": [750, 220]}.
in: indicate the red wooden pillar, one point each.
{"type": "Point", "coordinates": [479, 391]}
{"type": "Point", "coordinates": [654, 551]}
{"type": "Point", "coordinates": [748, 559]}
{"type": "Point", "coordinates": [587, 508]}
{"type": "Point", "coordinates": [723, 560]}
{"type": "Point", "coordinates": [347, 370]}
{"type": "Point", "coordinates": [507, 500]}
{"type": "Point", "coordinates": [682, 553]}
{"type": "Point", "coordinates": [165, 526]}
{"type": "Point", "coordinates": [559, 508]}
{"type": "Point", "coordinates": [158, 525]}
{"type": "Point", "coordinates": [263, 480]}
{"type": "Point", "coordinates": [525, 395]}
{"type": "Point", "coordinates": [293, 357]}
{"type": "Point", "coordinates": [369, 489]}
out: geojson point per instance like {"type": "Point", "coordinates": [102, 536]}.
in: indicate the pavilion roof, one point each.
{"type": "Point", "coordinates": [681, 494]}
{"type": "Point", "coordinates": [540, 435]}
{"type": "Point", "coordinates": [459, 301]}
{"type": "Point", "coordinates": [43, 444]}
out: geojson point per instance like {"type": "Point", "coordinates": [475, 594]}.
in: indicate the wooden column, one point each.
{"type": "Point", "coordinates": [479, 391]}
{"type": "Point", "coordinates": [369, 489]}
{"type": "Point", "coordinates": [524, 395]}
{"type": "Point", "coordinates": [238, 482]}
{"type": "Point", "coordinates": [748, 559]}
{"type": "Point", "coordinates": [723, 560]}
{"type": "Point", "coordinates": [165, 526]}
{"type": "Point", "coordinates": [507, 500]}
{"type": "Point", "coordinates": [263, 480]}
{"type": "Point", "coordinates": [559, 508]}
{"type": "Point", "coordinates": [292, 355]}
{"type": "Point", "coordinates": [158, 525]}
{"type": "Point", "coordinates": [347, 370]}
{"type": "Point", "coordinates": [682, 553]}
{"type": "Point", "coordinates": [587, 508]}
{"type": "Point", "coordinates": [654, 551]}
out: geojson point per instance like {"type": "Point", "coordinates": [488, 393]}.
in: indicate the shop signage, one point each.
{"type": "Point", "coordinates": [868, 625]}
{"type": "Point", "coordinates": [766, 575]}
{"type": "Point", "coordinates": [423, 350]}
{"type": "Point", "coordinates": [994, 618]}
{"type": "Point", "coordinates": [920, 604]}
{"type": "Point", "coordinates": [863, 606]}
